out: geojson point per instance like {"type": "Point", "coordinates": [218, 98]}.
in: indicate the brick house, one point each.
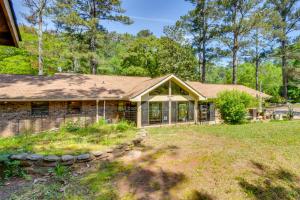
{"type": "Point", "coordinates": [37, 103]}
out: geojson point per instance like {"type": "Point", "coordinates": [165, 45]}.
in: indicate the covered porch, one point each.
{"type": "Point", "coordinates": [171, 102]}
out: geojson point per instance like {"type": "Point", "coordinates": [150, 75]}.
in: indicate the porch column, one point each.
{"type": "Point", "coordinates": [104, 108]}
{"type": "Point", "coordinates": [170, 103]}
{"type": "Point", "coordinates": [97, 110]}
{"type": "Point", "coordinates": [139, 115]}
{"type": "Point", "coordinates": [196, 111]}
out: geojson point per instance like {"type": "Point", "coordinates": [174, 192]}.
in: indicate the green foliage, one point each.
{"type": "Point", "coordinates": [123, 126]}
{"type": "Point", "coordinates": [71, 126]}
{"type": "Point", "coordinates": [150, 56]}
{"type": "Point", "coordinates": [60, 171]}
{"type": "Point", "coordinates": [233, 105]}
{"type": "Point", "coordinates": [10, 168]}
{"type": "Point", "coordinates": [101, 122]}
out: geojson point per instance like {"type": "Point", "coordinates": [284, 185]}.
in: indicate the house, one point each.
{"type": "Point", "coordinates": [39, 103]}
{"type": "Point", "coordinates": [9, 32]}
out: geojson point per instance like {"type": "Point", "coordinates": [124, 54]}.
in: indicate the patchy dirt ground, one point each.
{"type": "Point", "coordinates": [256, 161]}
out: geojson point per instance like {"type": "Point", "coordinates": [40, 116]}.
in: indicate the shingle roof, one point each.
{"type": "Point", "coordinates": [211, 90]}
{"type": "Point", "coordinates": [90, 87]}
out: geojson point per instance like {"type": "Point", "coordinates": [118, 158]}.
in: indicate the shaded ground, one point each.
{"type": "Point", "coordinates": [251, 161]}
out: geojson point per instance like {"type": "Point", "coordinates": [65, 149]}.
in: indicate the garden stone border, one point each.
{"type": "Point", "coordinates": [34, 161]}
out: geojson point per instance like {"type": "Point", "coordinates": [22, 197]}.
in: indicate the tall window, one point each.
{"type": "Point", "coordinates": [161, 90]}
{"type": "Point", "coordinates": [155, 112]}
{"type": "Point", "coordinates": [183, 111]}
{"type": "Point", "coordinates": [40, 108]}
{"type": "Point", "coordinates": [176, 90]}
{"type": "Point", "coordinates": [74, 107]}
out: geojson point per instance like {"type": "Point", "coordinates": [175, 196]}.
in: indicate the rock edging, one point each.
{"type": "Point", "coordinates": [31, 161]}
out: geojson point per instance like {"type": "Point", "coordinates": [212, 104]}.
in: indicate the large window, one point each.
{"type": "Point", "coordinates": [161, 90]}
{"type": "Point", "coordinates": [155, 112]}
{"type": "Point", "coordinates": [74, 107]}
{"type": "Point", "coordinates": [39, 108]}
{"type": "Point", "coordinates": [176, 90]}
{"type": "Point", "coordinates": [183, 108]}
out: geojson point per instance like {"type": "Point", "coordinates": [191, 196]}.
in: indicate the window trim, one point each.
{"type": "Point", "coordinates": [69, 108]}
{"type": "Point", "coordinates": [35, 108]}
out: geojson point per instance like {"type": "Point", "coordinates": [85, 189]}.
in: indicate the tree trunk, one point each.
{"type": "Point", "coordinates": [284, 69]}
{"type": "Point", "coordinates": [256, 74]}
{"type": "Point", "coordinates": [200, 66]}
{"type": "Point", "coordinates": [40, 42]}
{"type": "Point", "coordinates": [203, 73]}
{"type": "Point", "coordinates": [93, 61]}
{"type": "Point", "coordinates": [204, 28]}
{"type": "Point", "coordinates": [256, 61]}
{"type": "Point", "coordinates": [234, 59]}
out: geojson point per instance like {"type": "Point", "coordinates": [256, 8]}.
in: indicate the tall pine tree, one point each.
{"type": "Point", "coordinates": [84, 17]}
{"type": "Point", "coordinates": [285, 19]}
{"type": "Point", "coordinates": [237, 21]}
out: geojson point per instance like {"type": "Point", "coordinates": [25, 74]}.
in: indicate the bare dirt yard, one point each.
{"type": "Point", "coordinates": [249, 161]}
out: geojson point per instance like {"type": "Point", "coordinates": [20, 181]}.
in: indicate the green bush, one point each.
{"type": "Point", "coordinates": [60, 171]}
{"type": "Point", "coordinates": [71, 126]}
{"type": "Point", "coordinates": [123, 126]}
{"type": "Point", "coordinates": [233, 105]}
{"type": "Point", "coordinates": [101, 122]}
{"type": "Point", "coordinates": [10, 168]}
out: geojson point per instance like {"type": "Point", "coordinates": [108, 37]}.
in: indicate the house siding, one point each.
{"type": "Point", "coordinates": [16, 118]}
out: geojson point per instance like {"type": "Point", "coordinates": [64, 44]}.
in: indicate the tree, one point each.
{"type": "Point", "coordinates": [83, 17]}
{"type": "Point", "coordinates": [176, 33]}
{"type": "Point", "coordinates": [38, 9]}
{"type": "Point", "coordinates": [238, 19]}
{"type": "Point", "coordinates": [260, 43]}
{"type": "Point", "coordinates": [201, 24]}
{"type": "Point", "coordinates": [177, 59]}
{"type": "Point", "coordinates": [151, 56]}
{"type": "Point", "coordinates": [285, 19]}
{"type": "Point", "coordinates": [144, 33]}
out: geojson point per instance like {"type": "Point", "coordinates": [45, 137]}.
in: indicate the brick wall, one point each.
{"type": "Point", "coordinates": [16, 118]}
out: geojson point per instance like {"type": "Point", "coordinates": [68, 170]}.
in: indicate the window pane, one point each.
{"type": "Point", "coordinates": [176, 90]}
{"type": "Point", "coordinates": [74, 107]}
{"type": "Point", "coordinates": [182, 111]}
{"type": "Point", "coordinates": [161, 90]}
{"type": "Point", "coordinates": [155, 112]}
{"type": "Point", "coordinates": [39, 108]}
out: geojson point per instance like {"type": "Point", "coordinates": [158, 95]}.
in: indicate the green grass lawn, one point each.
{"type": "Point", "coordinates": [83, 140]}
{"type": "Point", "coordinates": [249, 161]}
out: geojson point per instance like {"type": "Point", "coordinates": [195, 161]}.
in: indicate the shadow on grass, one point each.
{"type": "Point", "coordinates": [279, 184]}
{"type": "Point", "coordinates": [197, 195]}
{"type": "Point", "coordinates": [115, 178]}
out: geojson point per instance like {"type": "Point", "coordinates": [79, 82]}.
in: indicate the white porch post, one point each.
{"type": "Point", "coordinates": [196, 112]}
{"type": "Point", "coordinates": [170, 103]}
{"type": "Point", "coordinates": [97, 110]}
{"type": "Point", "coordinates": [104, 110]}
{"type": "Point", "coordinates": [139, 115]}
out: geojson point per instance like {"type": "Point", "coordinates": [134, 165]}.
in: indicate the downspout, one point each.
{"type": "Point", "coordinates": [97, 110]}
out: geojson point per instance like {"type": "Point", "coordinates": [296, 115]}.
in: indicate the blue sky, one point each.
{"type": "Point", "coordinates": [147, 14]}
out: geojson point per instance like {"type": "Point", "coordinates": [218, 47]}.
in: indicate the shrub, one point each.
{"type": "Point", "coordinates": [123, 126]}
{"type": "Point", "coordinates": [60, 171]}
{"type": "Point", "coordinates": [71, 126]}
{"type": "Point", "coordinates": [10, 168]}
{"type": "Point", "coordinates": [101, 122]}
{"type": "Point", "coordinates": [233, 105]}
